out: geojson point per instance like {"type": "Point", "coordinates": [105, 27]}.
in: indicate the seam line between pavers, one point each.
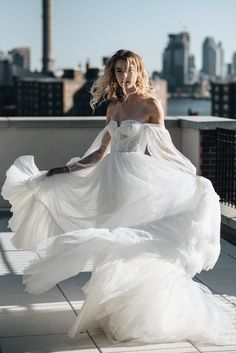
{"type": "Point", "coordinates": [213, 290]}
{"type": "Point", "coordinates": [232, 256]}
{"type": "Point", "coordinates": [35, 335]}
{"type": "Point", "coordinates": [93, 341]}
{"type": "Point", "coordinates": [61, 291]}
{"type": "Point", "coordinates": [68, 301]}
{"type": "Point", "coordinates": [192, 344]}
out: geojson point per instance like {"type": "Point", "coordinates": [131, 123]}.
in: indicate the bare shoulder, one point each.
{"type": "Point", "coordinates": [110, 109]}
{"type": "Point", "coordinates": [156, 111]}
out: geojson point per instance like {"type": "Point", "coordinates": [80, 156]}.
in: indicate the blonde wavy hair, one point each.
{"type": "Point", "coordinates": [106, 86]}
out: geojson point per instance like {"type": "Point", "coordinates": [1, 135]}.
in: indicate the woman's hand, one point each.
{"type": "Point", "coordinates": [58, 170]}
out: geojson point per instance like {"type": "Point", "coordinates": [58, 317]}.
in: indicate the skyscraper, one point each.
{"type": "Point", "coordinates": [234, 64]}
{"type": "Point", "coordinates": [176, 60]}
{"type": "Point", "coordinates": [2, 55]}
{"type": "Point", "coordinates": [192, 74]}
{"type": "Point", "coordinates": [209, 57]}
{"type": "Point", "coordinates": [220, 66]}
{"type": "Point", "coordinates": [212, 58]}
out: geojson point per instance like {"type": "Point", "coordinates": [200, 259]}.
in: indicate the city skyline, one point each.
{"type": "Point", "coordinates": [90, 30]}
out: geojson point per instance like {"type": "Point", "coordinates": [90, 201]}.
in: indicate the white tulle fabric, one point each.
{"type": "Point", "coordinates": [147, 222]}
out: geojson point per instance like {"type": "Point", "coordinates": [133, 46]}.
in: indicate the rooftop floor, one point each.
{"type": "Point", "coordinates": [39, 323]}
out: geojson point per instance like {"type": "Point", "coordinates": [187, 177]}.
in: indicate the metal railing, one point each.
{"type": "Point", "coordinates": [225, 184]}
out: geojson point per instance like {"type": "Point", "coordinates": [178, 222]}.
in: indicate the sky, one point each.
{"type": "Point", "coordinates": [91, 29]}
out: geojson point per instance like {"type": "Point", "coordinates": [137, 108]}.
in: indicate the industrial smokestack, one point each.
{"type": "Point", "coordinates": [47, 36]}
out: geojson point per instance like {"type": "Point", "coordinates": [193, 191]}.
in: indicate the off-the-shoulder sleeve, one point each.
{"type": "Point", "coordinates": [160, 146]}
{"type": "Point", "coordinates": [93, 147]}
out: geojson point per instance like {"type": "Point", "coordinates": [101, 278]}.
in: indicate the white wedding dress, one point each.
{"type": "Point", "coordinates": [147, 222]}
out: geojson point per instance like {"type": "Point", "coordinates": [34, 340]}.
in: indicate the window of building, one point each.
{"type": "Point", "coordinates": [225, 98]}
{"type": "Point", "coordinates": [226, 89]}
{"type": "Point", "coordinates": [225, 106]}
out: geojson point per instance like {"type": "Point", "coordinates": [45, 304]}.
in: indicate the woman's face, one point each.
{"type": "Point", "coordinates": [126, 75]}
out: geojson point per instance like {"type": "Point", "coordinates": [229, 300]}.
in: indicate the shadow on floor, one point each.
{"type": "Point", "coordinates": [4, 218]}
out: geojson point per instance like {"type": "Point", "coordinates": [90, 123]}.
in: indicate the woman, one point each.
{"type": "Point", "coordinates": [147, 221]}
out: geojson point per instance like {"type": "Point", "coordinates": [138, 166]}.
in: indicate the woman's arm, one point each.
{"type": "Point", "coordinates": [92, 158]}
{"type": "Point", "coordinates": [86, 162]}
{"type": "Point", "coordinates": [89, 160]}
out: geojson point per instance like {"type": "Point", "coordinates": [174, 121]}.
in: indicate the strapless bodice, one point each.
{"type": "Point", "coordinates": [127, 137]}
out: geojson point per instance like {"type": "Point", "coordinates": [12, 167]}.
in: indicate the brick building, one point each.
{"type": "Point", "coordinates": [46, 96]}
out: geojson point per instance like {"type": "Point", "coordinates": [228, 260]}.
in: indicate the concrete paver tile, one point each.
{"type": "Point", "coordinates": [5, 241]}
{"type": "Point", "coordinates": [72, 289]}
{"type": "Point", "coordinates": [228, 248]}
{"type": "Point", "coordinates": [48, 344]}
{"type": "Point", "coordinates": [106, 346]}
{"type": "Point", "coordinates": [216, 349]}
{"type": "Point", "coordinates": [22, 313]}
{"type": "Point", "coordinates": [225, 261]}
{"type": "Point", "coordinates": [220, 279]}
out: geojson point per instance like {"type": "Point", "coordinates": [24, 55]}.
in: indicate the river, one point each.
{"type": "Point", "coordinates": [180, 106]}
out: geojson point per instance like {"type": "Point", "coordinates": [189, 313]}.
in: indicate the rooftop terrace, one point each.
{"type": "Point", "coordinates": [39, 323]}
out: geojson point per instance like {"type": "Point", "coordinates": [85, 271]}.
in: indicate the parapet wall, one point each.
{"type": "Point", "coordinates": [53, 141]}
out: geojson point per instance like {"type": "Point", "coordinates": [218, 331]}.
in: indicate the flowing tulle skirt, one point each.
{"type": "Point", "coordinates": [148, 229]}
{"type": "Point", "coordinates": [136, 293]}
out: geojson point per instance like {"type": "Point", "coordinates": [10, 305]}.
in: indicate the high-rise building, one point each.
{"type": "Point", "coordinates": [10, 71]}
{"type": "Point", "coordinates": [229, 70]}
{"type": "Point", "coordinates": [220, 66]}
{"type": "Point", "coordinates": [192, 73]}
{"type": "Point", "coordinates": [2, 55]}
{"type": "Point", "coordinates": [176, 60]}
{"type": "Point", "coordinates": [234, 64]}
{"type": "Point", "coordinates": [6, 73]}
{"type": "Point", "coordinates": [20, 57]}
{"type": "Point", "coordinates": [213, 58]}
{"type": "Point", "coordinates": [209, 57]}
